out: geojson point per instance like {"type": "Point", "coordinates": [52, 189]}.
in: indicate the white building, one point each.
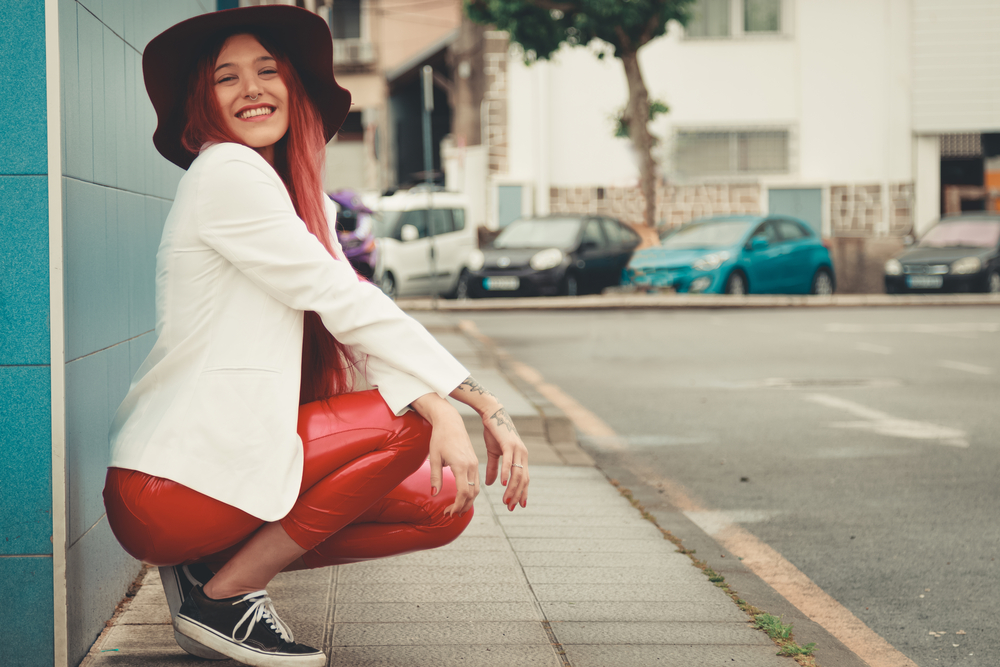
{"type": "Point", "coordinates": [850, 114]}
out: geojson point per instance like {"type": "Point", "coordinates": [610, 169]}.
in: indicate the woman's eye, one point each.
{"type": "Point", "coordinates": [268, 71]}
{"type": "Point", "coordinates": [226, 79]}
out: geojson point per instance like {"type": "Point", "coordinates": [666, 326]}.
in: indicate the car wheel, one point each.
{"type": "Point", "coordinates": [993, 282]}
{"type": "Point", "coordinates": [736, 284]}
{"type": "Point", "coordinates": [462, 286]}
{"type": "Point", "coordinates": [388, 285]}
{"type": "Point", "coordinates": [822, 284]}
{"type": "Point", "coordinates": [570, 286]}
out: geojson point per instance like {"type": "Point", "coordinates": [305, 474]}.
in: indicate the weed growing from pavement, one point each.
{"type": "Point", "coordinates": [779, 632]}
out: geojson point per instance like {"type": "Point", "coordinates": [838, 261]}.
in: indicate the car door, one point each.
{"type": "Point", "coordinates": [453, 243]}
{"type": "Point", "coordinates": [411, 265]}
{"type": "Point", "coordinates": [595, 259]}
{"type": "Point", "coordinates": [764, 264]}
{"type": "Point", "coordinates": [623, 242]}
{"type": "Point", "coordinates": [797, 244]}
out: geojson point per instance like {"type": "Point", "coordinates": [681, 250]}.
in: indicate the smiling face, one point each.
{"type": "Point", "coordinates": [251, 94]}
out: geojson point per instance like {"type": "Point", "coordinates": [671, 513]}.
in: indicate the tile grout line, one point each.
{"type": "Point", "coordinates": [331, 613]}
{"type": "Point", "coordinates": [557, 646]}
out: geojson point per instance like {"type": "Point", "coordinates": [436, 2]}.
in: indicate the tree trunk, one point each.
{"type": "Point", "coordinates": [637, 116]}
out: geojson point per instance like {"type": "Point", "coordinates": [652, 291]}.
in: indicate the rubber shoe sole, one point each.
{"type": "Point", "coordinates": [175, 597]}
{"type": "Point", "coordinates": [248, 655]}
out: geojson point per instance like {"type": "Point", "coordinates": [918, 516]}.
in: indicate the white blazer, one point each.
{"type": "Point", "coordinates": [214, 406]}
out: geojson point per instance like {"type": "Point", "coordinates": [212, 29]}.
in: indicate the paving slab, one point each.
{"type": "Point", "coordinates": [636, 633]}
{"type": "Point", "coordinates": [439, 634]}
{"type": "Point", "coordinates": [675, 656]}
{"type": "Point", "coordinates": [417, 574]}
{"type": "Point", "coordinates": [720, 610]}
{"type": "Point", "coordinates": [612, 575]}
{"type": "Point", "coordinates": [641, 544]}
{"type": "Point", "coordinates": [627, 592]}
{"type": "Point", "coordinates": [497, 655]}
{"type": "Point", "coordinates": [611, 559]}
{"type": "Point", "coordinates": [437, 612]}
{"type": "Point", "coordinates": [619, 532]}
{"type": "Point", "coordinates": [492, 592]}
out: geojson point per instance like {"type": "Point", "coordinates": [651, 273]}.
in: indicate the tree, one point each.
{"type": "Point", "coordinates": [540, 27]}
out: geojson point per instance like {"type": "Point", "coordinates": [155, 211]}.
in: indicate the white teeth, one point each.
{"type": "Point", "coordinates": [260, 111]}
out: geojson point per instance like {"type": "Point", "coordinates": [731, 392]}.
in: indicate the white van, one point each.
{"type": "Point", "coordinates": [424, 240]}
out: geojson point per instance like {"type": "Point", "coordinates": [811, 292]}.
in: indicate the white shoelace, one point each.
{"type": "Point", "coordinates": [262, 608]}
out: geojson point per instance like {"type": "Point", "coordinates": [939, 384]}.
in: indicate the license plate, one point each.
{"type": "Point", "coordinates": [924, 282]}
{"type": "Point", "coordinates": [502, 283]}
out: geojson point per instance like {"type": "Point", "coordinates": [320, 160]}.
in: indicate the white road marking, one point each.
{"type": "Point", "coordinates": [872, 347]}
{"type": "Point", "coordinates": [968, 368]}
{"type": "Point", "coordinates": [940, 328]}
{"type": "Point", "coordinates": [885, 424]}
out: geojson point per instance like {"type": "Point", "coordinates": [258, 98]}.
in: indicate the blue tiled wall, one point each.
{"type": "Point", "coordinates": [25, 374]}
{"type": "Point", "coordinates": [117, 191]}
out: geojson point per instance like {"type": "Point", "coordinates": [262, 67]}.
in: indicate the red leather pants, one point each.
{"type": "Point", "coordinates": [366, 493]}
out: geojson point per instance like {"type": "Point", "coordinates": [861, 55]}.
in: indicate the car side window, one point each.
{"type": "Point", "coordinates": [631, 238]}
{"type": "Point", "coordinates": [614, 232]}
{"type": "Point", "coordinates": [416, 218]}
{"type": "Point", "coordinates": [768, 231]}
{"type": "Point", "coordinates": [791, 231]}
{"type": "Point", "coordinates": [592, 234]}
{"type": "Point", "coordinates": [458, 217]}
{"type": "Point", "coordinates": [441, 221]}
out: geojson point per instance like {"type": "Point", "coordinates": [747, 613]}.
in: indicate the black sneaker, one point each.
{"type": "Point", "coordinates": [245, 628]}
{"type": "Point", "coordinates": [178, 581]}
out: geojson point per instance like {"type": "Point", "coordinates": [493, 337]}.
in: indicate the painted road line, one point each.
{"type": "Point", "coordinates": [761, 559]}
{"type": "Point", "coordinates": [871, 347]}
{"type": "Point", "coordinates": [885, 424]}
{"type": "Point", "coordinates": [962, 366]}
{"type": "Point", "coordinates": [940, 328]}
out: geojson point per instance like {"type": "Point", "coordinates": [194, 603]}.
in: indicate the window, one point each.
{"type": "Point", "coordinates": [762, 15]}
{"type": "Point", "coordinates": [614, 233]}
{"type": "Point", "coordinates": [345, 19]}
{"type": "Point", "coordinates": [458, 216]}
{"type": "Point", "coordinates": [709, 18]}
{"type": "Point", "coordinates": [592, 234]}
{"type": "Point", "coordinates": [732, 153]}
{"type": "Point", "coordinates": [791, 231]}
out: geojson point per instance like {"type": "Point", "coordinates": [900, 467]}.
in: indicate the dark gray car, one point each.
{"type": "Point", "coordinates": [958, 254]}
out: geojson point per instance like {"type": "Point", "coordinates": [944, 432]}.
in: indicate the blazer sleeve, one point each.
{"type": "Point", "coordinates": [244, 213]}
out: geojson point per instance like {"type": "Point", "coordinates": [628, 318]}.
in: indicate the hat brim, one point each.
{"type": "Point", "coordinates": [171, 56]}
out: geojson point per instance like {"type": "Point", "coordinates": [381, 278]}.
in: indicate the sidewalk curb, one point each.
{"type": "Point", "coordinates": [631, 301]}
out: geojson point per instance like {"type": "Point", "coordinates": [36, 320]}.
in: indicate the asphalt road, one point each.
{"type": "Point", "coordinates": [868, 439]}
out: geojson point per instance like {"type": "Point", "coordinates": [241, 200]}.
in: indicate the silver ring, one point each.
{"type": "Point", "coordinates": [516, 465]}
{"type": "Point", "coordinates": [254, 99]}
{"type": "Point", "coordinates": [471, 483]}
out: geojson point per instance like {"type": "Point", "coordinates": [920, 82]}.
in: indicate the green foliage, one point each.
{"type": "Point", "coordinates": [621, 123]}
{"type": "Point", "coordinates": [782, 634]}
{"type": "Point", "coordinates": [542, 26]}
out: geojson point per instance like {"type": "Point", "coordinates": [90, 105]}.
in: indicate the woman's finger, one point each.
{"type": "Point", "coordinates": [436, 465]}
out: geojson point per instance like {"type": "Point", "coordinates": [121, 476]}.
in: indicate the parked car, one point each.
{"type": "Point", "coordinates": [413, 261]}
{"type": "Point", "coordinates": [355, 231]}
{"type": "Point", "coordinates": [561, 254]}
{"type": "Point", "coordinates": [738, 254]}
{"type": "Point", "coordinates": [958, 254]}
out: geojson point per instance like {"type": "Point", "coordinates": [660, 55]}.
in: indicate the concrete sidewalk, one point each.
{"type": "Point", "coordinates": [578, 578]}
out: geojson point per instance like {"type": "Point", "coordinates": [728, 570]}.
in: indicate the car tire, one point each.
{"type": "Point", "coordinates": [570, 286]}
{"type": "Point", "coordinates": [993, 282]}
{"type": "Point", "coordinates": [462, 287]}
{"type": "Point", "coordinates": [388, 285]}
{"type": "Point", "coordinates": [822, 283]}
{"type": "Point", "coordinates": [736, 284]}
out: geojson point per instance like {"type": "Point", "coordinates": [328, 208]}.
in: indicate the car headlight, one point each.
{"type": "Point", "coordinates": [710, 262]}
{"type": "Point", "coordinates": [546, 259]}
{"type": "Point", "coordinates": [967, 265]}
{"type": "Point", "coordinates": [476, 260]}
{"type": "Point", "coordinates": [893, 268]}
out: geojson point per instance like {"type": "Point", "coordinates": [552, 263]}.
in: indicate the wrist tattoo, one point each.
{"type": "Point", "coordinates": [474, 387]}
{"type": "Point", "coordinates": [503, 419]}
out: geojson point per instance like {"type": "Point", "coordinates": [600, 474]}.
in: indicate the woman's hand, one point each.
{"type": "Point", "coordinates": [502, 440]}
{"type": "Point", "coordinates": [450, 446]}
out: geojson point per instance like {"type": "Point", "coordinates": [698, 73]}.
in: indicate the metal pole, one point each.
{"type": "Point", "coordinates": [427, 78]}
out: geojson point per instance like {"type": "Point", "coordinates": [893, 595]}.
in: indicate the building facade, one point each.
{"type": "Point", "coordinates": [855, 116]}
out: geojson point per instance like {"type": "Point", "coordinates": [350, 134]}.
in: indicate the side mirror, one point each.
{"type": "Point", "coordinates": [408, 233]}
{"type": "Point", "coordinates": [758, 243]}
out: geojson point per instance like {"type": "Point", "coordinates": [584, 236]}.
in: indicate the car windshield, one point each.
{"type": "Point", "coordinates": [385, 223]}
{"type": "Point", "coordinates": [550, 233]}
{"type": "Point", "coordinates": [717, 234]}
{"type": "Point", "coordinates": [963, 234]}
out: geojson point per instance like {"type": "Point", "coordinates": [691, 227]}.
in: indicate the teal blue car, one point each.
{"type": "Point", "coordinates": [736, 254]}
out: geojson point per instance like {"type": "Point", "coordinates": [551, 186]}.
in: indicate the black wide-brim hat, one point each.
{"type": "Point", "coordinates": [172, 55]}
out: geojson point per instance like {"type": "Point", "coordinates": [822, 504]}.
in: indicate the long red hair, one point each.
{"type": "Point", "coordinates": [298, 158]}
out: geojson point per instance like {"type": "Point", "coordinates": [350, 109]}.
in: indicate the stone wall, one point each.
{"type": "Point", "coordinates": [857, 210]}
{"type": "Point", "coordinates": [675, 204]}
{"type": "Point", "coordinates": [495, 99]}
